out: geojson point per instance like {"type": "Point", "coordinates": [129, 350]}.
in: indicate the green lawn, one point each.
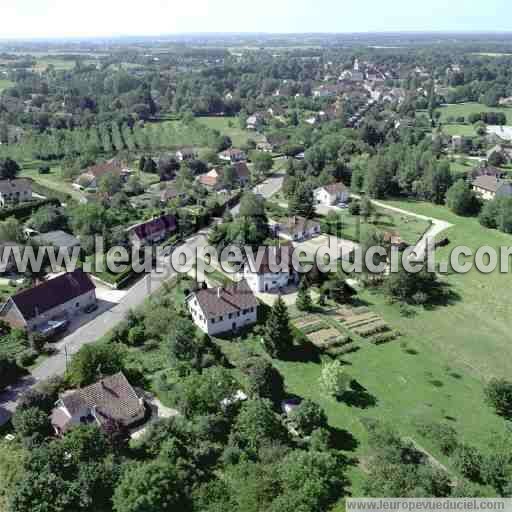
{"type": "Point", "coordinates": [5, 84]}
{"type": "Point", "coordinates": [437, 369]}
{"type": "Point", "coordinates": [465, 109]}
{"type": "Point", "coordinates": [410, 228]}
{"type": "Point", "coordinates": [466, 130]}
{"type": "Point", "coordinates": [230, 126]}
{"type": "Point", "coordinates": [459, 166]}
{"type": "Point", "coordinates": [53, 179]}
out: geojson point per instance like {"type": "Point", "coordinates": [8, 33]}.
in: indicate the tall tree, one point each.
{"type": "Point", "coordinates": [278, 336]}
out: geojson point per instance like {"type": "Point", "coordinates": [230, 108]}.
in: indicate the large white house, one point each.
{"type": "Point", "coordinates": [332, 194]}
{"type": "Point", "coordinates": [491, 187]}
{"type": "Point", "coordinates": [219, 310]}
{"type": "Point", "coordinates": [272, 272]}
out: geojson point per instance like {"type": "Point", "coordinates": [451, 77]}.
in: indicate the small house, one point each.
{"type": "Point", "coordinates": [112, 400]}
{"type": "Point", "coordinates": [329, 195]}
{"type": "Point", "coordinates": [298, 228]}
{"type": "Point", "coordinates": [152, 231]}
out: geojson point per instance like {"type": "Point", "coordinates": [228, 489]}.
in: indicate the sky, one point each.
{"type": "Point", "coordinates": [84, 18]}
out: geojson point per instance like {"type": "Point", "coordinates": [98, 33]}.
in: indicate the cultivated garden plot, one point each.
{"type": "Point", "coordinates": [364, 323]}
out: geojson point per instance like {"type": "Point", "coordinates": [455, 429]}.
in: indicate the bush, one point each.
{"type": "Point", "coordinates": [354, 208]}
{"type": "Point", "coordinates": [307, 417]}
{"type": "Point", "coordinates": [468, 461]}
{"type": "Point", "coordinates": [32, 425]}
{"type": "Point", "coordinates": [27, 358]}
{"type": "Point", "coordinates": [498, 394]}
{"type": "Point", "coordinates": [442, 434]}
{"type": "Point", "coordinates": [9, 371]}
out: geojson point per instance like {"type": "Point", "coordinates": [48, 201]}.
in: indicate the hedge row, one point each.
{"type": "Point", "coordinates": [25, 210]}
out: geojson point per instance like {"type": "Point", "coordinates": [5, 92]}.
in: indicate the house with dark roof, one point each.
{"type": "Point", "coordinates": [332, 194]}
{"type": "Point", "coordinates": [219, 310]}
{"type": "Point", "coordinates": [90, 177]}
{"type": "Point", "coordinates": [298, 228]}
{"type": "Point", "coordinates": [58, 239]}
{"type": "Point", "coordinates": [153, 231]}
{"type": "Point", "coordinates": [51, 304]}
{"type": "Point", "coordinates": [15, 191]}
{"type": "Point", "coordinates": [491, 187]}
{"type": "Point", "coordinates": [271, 269]}
{"type": "Point", "coordinates": [111, 400]}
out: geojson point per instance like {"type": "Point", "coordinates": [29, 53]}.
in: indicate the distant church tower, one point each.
{"type": "Point", "coordinates": [356, 65]}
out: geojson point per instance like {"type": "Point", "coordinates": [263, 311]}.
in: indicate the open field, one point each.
{"type": "Point", "coordinates": [4, 84]}
{"type": "Point", "coordinates": [436, 369]}
{"type": "Point", "coordinates": [466, 130]}
{"type": "Point", "coordinates": [411, 229]}
{"type": "Point", "coordinates": [462, 166]}
{"type": "Point", "coordinates": [230, 126]}
{"type": "Point", "coordinates": [465, 109]}
{"type": "Point", "coordinates": [53, 179]}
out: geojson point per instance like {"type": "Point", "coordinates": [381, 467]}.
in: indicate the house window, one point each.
{"type": "Point", "coordinates": [213, 320]}
{"type": "Point", "coordinates": [221, 318]}
{"type": "Point", "coordinates": [77, 304]}
{"type": "Point", "coordinates": [230, 316]}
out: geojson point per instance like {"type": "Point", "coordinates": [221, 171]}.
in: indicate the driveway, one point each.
{"type": "Point", "coordinates": [437, 227]}
{"type": "Point", "coordinates": [267, 189]}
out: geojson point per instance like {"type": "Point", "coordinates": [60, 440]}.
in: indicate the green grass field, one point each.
{"type": "Point", "coordinates": [230, 126]}
{"type": "Point", "coordinates": [411, 229]}
{"type": "Point", "coordinates": [465, 109]}
{"type": "Point", "coordinates": [466, 130]}
{"type": "Point", "coordinates": [5, 84]}
{"type": "Point", "coordinates": [437, 368]}
{"type": "Point", "coordinates": [53, 179]}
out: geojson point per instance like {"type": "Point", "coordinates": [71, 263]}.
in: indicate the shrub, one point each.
{"type": "Point", "coordinates": [27, 358]}
{"type": "Point", "coordinates": [442, 434]}
{"type": "Point", "coordinates": [468, 461]}
{"type": "Point", "coordinates": [308, 416]}
{"type": "Point", "coordinates": [498, 394]}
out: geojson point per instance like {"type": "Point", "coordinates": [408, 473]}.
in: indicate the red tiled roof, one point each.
{"type": "Point", "coordinates": [50, 294]}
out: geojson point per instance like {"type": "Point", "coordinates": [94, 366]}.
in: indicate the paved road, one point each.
{"type": "Point", "coordinates": [266, 189]}
{"type": "Point", "coordinates": [103, 323]}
